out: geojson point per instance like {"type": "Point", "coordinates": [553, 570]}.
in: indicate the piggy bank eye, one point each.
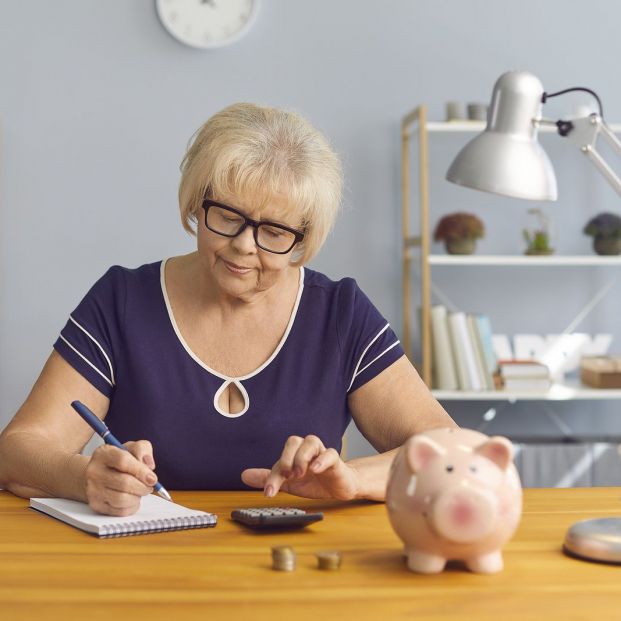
{"type": "Point", "coordinates": [449, 468]}
{"type": "Point", "coordinates": [473, 468]}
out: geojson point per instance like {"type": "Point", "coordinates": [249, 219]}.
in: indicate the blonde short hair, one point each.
{"type": "Point", "coordinates": [254, 151]}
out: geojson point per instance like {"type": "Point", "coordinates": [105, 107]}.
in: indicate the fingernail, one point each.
{"type": "Point", "coordinates": [151, 478]}
{"type": "Point", "coordinates": [315, 466]}
{"type": "Point", "coordinates": [269, 491]}
{"type": "Point", "coordinates": [148, 460]}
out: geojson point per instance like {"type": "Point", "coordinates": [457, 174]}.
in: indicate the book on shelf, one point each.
{"type": "Point", "coordinates": [524, 374]}
{"type": "Point", "coordinates": [486, 375]}
{"type": "Point", "coordinates": [527, 383]}
{"type": "Point", "coordinates": [465, 358]}
{"type": "Point", "coordinates": [444, 371]}
{"type": "Point", "coordinates": [484, 328]}
{"type": "Point", "coordinates": [523, 368]}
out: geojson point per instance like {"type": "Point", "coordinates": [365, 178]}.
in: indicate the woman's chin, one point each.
{"type": "Point", "coordinates": [237, 286]}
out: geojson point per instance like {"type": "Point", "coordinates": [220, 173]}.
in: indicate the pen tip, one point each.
{"type": "Point", "coordinates": [164, 494]}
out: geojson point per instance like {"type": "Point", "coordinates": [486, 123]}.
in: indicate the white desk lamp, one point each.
{"type": "Point", "coordinates": [507, 159]}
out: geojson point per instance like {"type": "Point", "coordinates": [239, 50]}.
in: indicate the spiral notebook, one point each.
{"type": "Point", "coordinates": [155, 515]}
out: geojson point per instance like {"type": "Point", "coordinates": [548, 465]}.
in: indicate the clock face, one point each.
{"type": "Point", "coordinates": [206, 23]}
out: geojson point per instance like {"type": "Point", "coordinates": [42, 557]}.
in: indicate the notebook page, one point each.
{"type": "Point", "coordinates": [152, 509]}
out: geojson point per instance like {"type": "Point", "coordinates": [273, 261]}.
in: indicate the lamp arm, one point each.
{"type": "Point", "coordinates": [603, 167]}
{"type": "Point", "coordinates": [584, 133]}
{"type": "Point", "coordinates": [611, 138]}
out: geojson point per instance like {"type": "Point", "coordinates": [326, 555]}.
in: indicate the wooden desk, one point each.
{"type": "Point", "coordinates": [49, 570]}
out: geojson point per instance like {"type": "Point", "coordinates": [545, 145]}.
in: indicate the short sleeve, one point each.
{"type": "Point", "coordinates": [91, 339]}
{"type": "Point", "coordinates": [368, 343]}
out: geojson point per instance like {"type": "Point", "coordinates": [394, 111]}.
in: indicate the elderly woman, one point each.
{"type": "Point", "coordinates": [233, 366]}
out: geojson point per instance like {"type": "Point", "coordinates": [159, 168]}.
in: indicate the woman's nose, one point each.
{"type": "Point", "coordinates": [244, 242]}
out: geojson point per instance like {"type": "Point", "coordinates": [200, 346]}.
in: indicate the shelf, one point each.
{"type": "Point", "coordinates": [523, 260]}
{"type": "Point", "coordinates": [558, 392]}
{"type": "Point", "coordinates": [419, 245]}
{"type": "Point", "coordinates": [478, 126]}
{"type": "Point", "coordinates": [455, 126]}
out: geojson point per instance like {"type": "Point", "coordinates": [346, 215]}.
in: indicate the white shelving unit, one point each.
{"type": "Point", "coordinates": [523, 261]}
{"type": "Point", "coordinates": [415, 123]}
{"type": "Point", "coordinates": [558, 392]}
{"type": "Point", "coordinates": [465, 127]}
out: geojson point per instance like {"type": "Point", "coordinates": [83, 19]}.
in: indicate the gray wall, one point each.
{"type": "Point", "coordinates": [97, 103]}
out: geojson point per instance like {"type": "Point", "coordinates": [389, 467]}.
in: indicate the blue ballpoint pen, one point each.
{"type": "Point", "coordinates": [100, 428]}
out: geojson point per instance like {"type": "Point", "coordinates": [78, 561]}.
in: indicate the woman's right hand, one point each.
{"type": "Point", "coordinates": [116, 480]}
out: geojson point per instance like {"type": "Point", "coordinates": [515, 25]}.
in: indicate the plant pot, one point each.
{"type": "Point", "coordinates": [461, 246]}
{"type": "Point", "coordinates": [607, 245]}
{"type": "Point", "coordinates": [539, 251]}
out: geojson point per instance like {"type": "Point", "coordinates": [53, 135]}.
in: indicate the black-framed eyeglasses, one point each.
{"type": "Point", "coordinates": [230, 222]}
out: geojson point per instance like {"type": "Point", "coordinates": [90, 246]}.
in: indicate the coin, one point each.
{"type": "Point", "coordinates": [328, 559]}
{"type": "Point", "coordinates": [283, 558]}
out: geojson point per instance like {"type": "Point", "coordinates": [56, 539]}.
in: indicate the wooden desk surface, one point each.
{"type": "Point", "coordinates": [49, 570]}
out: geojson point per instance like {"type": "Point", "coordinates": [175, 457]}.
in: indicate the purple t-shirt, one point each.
{"type": "Point", "coordinates": [124, 340]}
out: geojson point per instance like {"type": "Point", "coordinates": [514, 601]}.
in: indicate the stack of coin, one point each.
{"type": "Point", "coordinates": [329, 559]}
{"type": "Point", "coordinates": [283, 558]}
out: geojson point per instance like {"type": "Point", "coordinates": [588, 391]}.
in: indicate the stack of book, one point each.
{"type": "Point", "coordinates": [464, 357]}
{"type": "Point", "coordinates": [524, 375]}
{"type": "Point", "coordinates": [463, 351]}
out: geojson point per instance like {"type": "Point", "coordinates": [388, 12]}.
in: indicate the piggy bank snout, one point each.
{"type": "Point", "coordinates": [464, 514]}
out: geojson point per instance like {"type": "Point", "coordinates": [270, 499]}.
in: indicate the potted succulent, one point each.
{"type": "Point", "coordinates": [459, 232]}
{"type": "Point", "coordinates": [538, 239]}
{"type": "Point", "coordinates": [605, 228]}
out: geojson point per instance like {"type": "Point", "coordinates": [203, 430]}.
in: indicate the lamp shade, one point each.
{"type": "Point", "coordinates": [506, 158]}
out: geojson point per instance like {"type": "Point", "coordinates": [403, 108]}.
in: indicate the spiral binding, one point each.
{"type": "Point", "coordinates": [156, 526]}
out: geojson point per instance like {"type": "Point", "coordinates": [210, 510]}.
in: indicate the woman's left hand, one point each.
{"type": "Point", "coordinates": [307, 468]}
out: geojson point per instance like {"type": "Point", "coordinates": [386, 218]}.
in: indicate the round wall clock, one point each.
{"type": "Point", "coordinates": [207, 23]}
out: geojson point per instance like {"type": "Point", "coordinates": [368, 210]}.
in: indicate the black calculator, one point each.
{"type": "Point", "coordinates": [265, 518]}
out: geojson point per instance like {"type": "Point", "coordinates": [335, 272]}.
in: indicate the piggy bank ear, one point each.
{"type": "Point", "coordinates": [420, 450]}
{"type": "Point", "coordinates": [497, 449]}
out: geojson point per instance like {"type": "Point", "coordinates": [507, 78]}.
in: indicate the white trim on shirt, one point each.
{"type": "Point", "coordinates": [173, 321]}
{"type": "Point", "coordinates": [366, 366]}
{"type": "Point", "coordinates": [90, 364]}
{"type": "Point", "coordinates": [98, 345]}
{"type": "Point", "coordinates": [356, 370]}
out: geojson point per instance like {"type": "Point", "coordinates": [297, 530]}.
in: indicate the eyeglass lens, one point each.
{"type": "Point", "coordinates": [270, 237]}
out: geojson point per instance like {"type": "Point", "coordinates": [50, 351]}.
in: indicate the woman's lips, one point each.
{"type": "Point", "coordinates": [236, 269]}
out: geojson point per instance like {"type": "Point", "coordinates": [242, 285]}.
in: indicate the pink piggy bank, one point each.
{"type": "Point", "coordinates": [454, 494]}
